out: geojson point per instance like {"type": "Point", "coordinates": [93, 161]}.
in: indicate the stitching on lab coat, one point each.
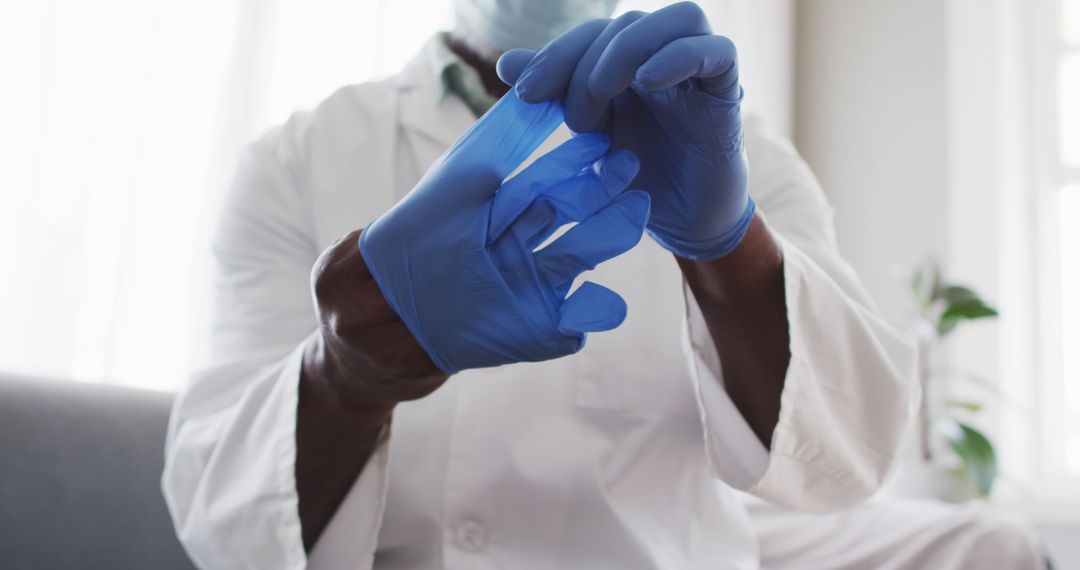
{"type": "Point", "coordinates": [795, 256]}
{"type": "Point", "coordinates": [289, 524]}
{"type": "Point", "coordinates": [697, 355]}
{"type": "Point", "coordinates": [783, 434]}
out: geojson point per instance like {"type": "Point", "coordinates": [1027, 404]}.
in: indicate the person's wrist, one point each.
{"type": "Point", "coordinates": [348, 377]}
{"type": "Point", "coordinates": [734, 277]}
{"type": "Point", "coordinates": [707, 248]}
{"type": "Point", "coordinates": [328, 387]}
{"type": "Point", "coordinates": [350, 360]}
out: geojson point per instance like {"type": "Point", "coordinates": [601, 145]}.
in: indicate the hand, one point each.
{"type": "Point", "coordinates": [359, 365]}
{"type": "Point", "coordinates": [455, 258]}
{"type": "Point", "coordinates": [662, 86]}
{"type": "Point", "coordinates": [364, 357]}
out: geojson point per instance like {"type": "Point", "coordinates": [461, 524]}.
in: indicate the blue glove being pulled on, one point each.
{"type": "Point", "coordinates": [662, 86]}
{"type": "Point", "coordinates": [457, 261]}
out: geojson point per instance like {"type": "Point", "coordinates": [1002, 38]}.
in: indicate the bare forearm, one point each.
{"type": "Point", "coordinates": [356, 369]}
{"type": "Point", "coordinates": [742, 299]}
{"type": "Point", "coordinates": [333, 444]}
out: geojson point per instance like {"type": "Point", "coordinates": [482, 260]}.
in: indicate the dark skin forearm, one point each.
{"type": "Point", "coordinates": [742, 299]}
{"type": "Point", "coordinates": [362, 362]}
{"type": "Point", "coordinates": [333, 444]}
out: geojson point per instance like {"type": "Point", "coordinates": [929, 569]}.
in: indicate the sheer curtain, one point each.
{"type": "Point", "coordinates": [120, 124]}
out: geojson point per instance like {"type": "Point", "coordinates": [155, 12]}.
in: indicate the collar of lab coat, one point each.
{"type": "Point", "coordinates": [425, 105]}
{"type": "Point", "coordinates": [409, 124]}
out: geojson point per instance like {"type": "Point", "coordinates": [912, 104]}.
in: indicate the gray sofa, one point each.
{"type": "Point", "coordinates": [80, 466]}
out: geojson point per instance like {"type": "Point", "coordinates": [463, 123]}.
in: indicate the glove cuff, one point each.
{"type": "Point", "coordinates": [410, 318]}
{"type": "Point", "coordinates": [708, 250]}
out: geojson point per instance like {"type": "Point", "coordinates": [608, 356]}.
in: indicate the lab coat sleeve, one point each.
{"type": "Point", "coordinates": [230, 454]}
{"type": "Point", "coordinates": [851, 387]}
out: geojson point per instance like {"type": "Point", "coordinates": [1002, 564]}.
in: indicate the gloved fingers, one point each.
{"type": "Point", "coordinates": [566, 161]}
{"type": "Point", "coordinates": [546, 76]}
{"type": "Point", "coordinates": [584, 112]}
{"type": "Point", "coordinates": [712, 60]}
{"type": "Point", "coordinates": [576, 199]}
{"type": "Point", "coordinates": [592, 308]}
{"type": "Point", "coordinates": [610, 232]}
{"type": "Point", "coordinates": [512, 63]}
{"type": "Point", "coordinates": [633, 46]}
{"type": "Point", "coordinates": [536, 224]}
{"type": "Point", "coordinates": [496, 145]}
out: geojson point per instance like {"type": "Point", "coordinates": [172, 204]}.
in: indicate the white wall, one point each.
{"type": "Point", "coordinates": [870, 120]}
{"type": "Point", "coordinates": [913, 115]}
{"type": "Point", "coordinates": [764, 31]}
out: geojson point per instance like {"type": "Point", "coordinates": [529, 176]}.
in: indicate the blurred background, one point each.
{"type": "Point", "coordinates": [946, 134]}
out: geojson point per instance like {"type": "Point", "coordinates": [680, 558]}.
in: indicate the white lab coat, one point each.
{"type": "Point", "coordinates": [894, 533]}
{"type": "Point", "coordinates": [605, 459]}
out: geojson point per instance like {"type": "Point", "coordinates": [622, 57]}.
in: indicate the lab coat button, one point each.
{"type": "Point", "coordinates": [471, 536]}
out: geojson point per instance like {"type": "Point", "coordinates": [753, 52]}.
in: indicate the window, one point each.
{"type": "Point", "coordinates": [122, 121]}
{"type": "Point", "coordinates": [1057, 131]}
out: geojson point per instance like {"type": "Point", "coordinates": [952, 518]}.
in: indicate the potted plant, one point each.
{"type": "Point", "coordinates": [960, 459]}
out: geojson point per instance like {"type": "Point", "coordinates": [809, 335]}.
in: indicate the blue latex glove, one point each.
{"type": "Point", "coordinates": [455, 258]}
{"type": "Point", "coordinates": [662, 86]}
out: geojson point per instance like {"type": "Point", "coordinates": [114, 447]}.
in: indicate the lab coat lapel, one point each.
{"type": "Point", "coordinates": [430, 120]}
{"type": "Point", "coordinates": [407, 126]}
{"type": "Point", "coordinates": [349, 144]}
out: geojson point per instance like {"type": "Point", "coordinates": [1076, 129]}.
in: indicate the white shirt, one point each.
{"type": "Point", "coordinates": [606, 459]}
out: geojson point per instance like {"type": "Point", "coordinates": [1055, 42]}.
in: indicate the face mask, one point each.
{"type": "Point", "coordinates": [491, 27]}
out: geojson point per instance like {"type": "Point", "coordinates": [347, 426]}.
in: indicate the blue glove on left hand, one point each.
{"type": "Point", "coordinates": [662, 86]}
{"type": "Point", "coordinates": [457, 258]}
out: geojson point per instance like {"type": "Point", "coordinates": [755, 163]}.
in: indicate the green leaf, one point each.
{"type": "Point", "coordinates": [961, 311]}
{"type": "Point", "coordinates": [946, 326]}
{"type": "Point", "coordinates": [977, 454]}
{"type": "Point", "coordinates": [975, 309]}
{"type": "Point", "coordinates": [959, 294]}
